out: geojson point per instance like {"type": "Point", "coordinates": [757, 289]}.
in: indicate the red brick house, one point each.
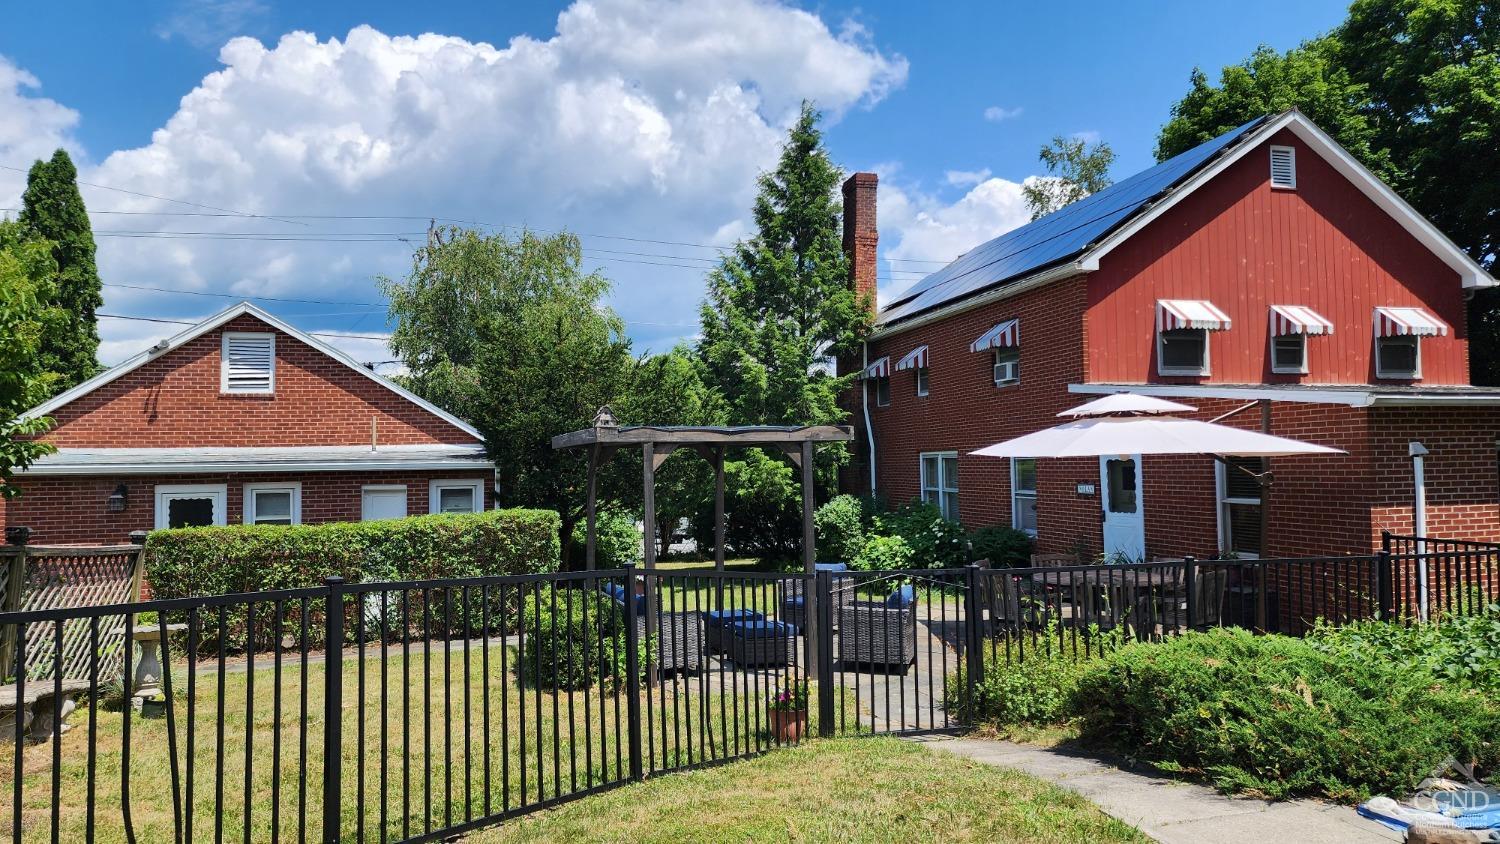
{"type": "Point", "coordinates": [243, 419]}
{"type": "Point", "coordinates": [1266, 278]}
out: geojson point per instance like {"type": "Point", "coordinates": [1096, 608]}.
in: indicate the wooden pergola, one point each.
{"type": "Point", "coordinates": [658, 442]}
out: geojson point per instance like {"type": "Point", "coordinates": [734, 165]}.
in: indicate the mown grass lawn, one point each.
{"type": "Point", "coordinates": [853, 789]}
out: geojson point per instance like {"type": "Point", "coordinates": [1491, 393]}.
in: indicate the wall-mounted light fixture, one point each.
{"type": "Point", "coordinates": [117, 499]}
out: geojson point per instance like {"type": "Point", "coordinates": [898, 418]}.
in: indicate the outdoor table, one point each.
{"type": "Point", "coordinates": [1124, 586]}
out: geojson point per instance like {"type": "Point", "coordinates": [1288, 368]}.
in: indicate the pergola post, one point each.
{"type": "Point", "coordinates": [810, 595]}
{"type": "Point", "coordinates": [590, 512]}
{"type": "Point", "coordinates": [719, 509]}
{"type": "Point", "coordinates": [648, 534]}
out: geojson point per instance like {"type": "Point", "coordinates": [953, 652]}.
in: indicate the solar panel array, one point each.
{"type": "Point", "coordinates": [1057, 236]}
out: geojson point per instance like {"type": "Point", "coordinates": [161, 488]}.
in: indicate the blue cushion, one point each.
{"type": "Point", "coordinates": [717, 618]}
{"type": "Point", "coordinates": [795, 601]}
{"type": "Point", "coordinates": [830, 566]}
{"type": "Point", "coordinates": [762, 629]}
{"type": "Point", "coordinates": [902, 598]}
{"type": "Point", "coordinates": [616, 591]}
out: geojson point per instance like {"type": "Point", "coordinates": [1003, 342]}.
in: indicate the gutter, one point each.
{"type": "Point", "coordinates": [864, 398]}
{"type": "Point", "coordinates": [224, 466]}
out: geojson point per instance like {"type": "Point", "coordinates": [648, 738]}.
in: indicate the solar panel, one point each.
{"type": "Point", "coordinates": [1057, 236]}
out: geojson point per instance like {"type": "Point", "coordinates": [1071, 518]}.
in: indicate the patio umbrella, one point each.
{"type": "Point", "coordinates": [1126, 424]}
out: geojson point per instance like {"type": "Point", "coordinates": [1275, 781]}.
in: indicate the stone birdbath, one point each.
{"type": "Point", "coordinates": [147, 682]}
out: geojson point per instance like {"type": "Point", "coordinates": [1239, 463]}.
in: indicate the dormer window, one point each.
{"type": "Point", "coordinates": [1182, 327]}
{"type": "Point", "coordinates": [247, 363]}
{"type": "Point", "coordinates": [1284, 168]}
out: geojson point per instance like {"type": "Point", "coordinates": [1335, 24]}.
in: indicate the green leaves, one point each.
{"type": "Point", "coordinates": [25, 270]}
{"type": "Point", "coordinates": [1076, 170]}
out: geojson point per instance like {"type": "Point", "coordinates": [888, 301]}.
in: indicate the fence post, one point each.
{"type": "Point", "coordinates": [633, 677]}
{"type": "Point", "coordinates": [13, 562]}
{"type": "Point", "coordinates": [1385, 541]}
{"type": "Point", "coordinates": [1384, 583]}
{"type": "Point", "coordinates": [1190, 586]}
{"type": "Point", "coordinates": [333, 710]}
{"type": "Point", "coordinates": [823, 589]}
{"type": "Point", "coordinates": [973, 623]}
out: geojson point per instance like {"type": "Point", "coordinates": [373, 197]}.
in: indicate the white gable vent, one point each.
{"type": "Point", "coordinates": [1284, 167]}
{"type": "Point", "coordinates": [248, 363]}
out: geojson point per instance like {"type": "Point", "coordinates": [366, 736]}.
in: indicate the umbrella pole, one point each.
{"type": "Point", "coordinates": [1265, 480]}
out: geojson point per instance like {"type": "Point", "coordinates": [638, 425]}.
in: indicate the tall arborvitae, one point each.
{"type": "Point", "coordinates": [52, 209]}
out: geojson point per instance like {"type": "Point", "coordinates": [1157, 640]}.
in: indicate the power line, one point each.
{"type": "Point", "coordinates": [230, 211]}
{"type": "Point", "coordinates": [334, 334]}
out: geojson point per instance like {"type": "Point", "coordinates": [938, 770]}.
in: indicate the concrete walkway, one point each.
{"type": "Point", "coordinates": [1175, 812]}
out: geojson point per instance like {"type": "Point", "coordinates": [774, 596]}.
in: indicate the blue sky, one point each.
{"type": "Point", "coordinates": [621, 119]}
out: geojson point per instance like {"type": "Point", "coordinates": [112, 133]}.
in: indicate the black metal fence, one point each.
{"type": "Point", "coordinates": [419, 710]}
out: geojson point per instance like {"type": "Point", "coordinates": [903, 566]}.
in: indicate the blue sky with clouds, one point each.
{"type": "Point", "coordinates": [640, 124]}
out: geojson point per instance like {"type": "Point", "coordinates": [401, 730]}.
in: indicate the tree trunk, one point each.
{"type": "Point", "coordinates": [565, 534]}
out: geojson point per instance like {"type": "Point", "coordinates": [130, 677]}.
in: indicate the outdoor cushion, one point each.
{"type": "Point", "coordinates": [830, 566]}
{"type": "Point", "coordinates": [795, 600]}
{"type": "Point", "coordinates": [762, 629]}
{"type": "Point", "coordinates": [902, 598]}
{"type": "Point", "coordinates": [719, 618]}
{"type": "Point", "coordinates": [617, 591]}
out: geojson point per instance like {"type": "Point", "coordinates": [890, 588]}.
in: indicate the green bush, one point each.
{"type": "Point", "coordinates": [251, 558]}
{"type": "Point", "coordinates": [841, 529]}
{"type": "Point", "coordinates": [1463, 650]}
{"type": "Point", "coordinates": [1004, 547]}
{"type": "Point", "coordinates": [617, 540]}
{"type": "Point", "coordinates": [1034, 691]}
{"type": "Point", "coordinates": [935, 542]}
{"type": "Point", "coordinates": [883, 553]}
{"type": "Point", "coordinates": [571, 639]}
{"type": "Point", "coordinates": [1283, 717]}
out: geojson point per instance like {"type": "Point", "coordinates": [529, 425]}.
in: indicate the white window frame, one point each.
{"type": "Point", "coordinates": [247, 505]}
{"type": "Point", "coordinates": [1271, 156]}
{"type": "Point", "coordinates": [378, 488]}
{"type": "Point", "coordinates": [940, 489]}
{"type": "Point", "coordinates": [224, 361]}
{"type": "Point", "coordinates": [1284, 370]}
{"type": "Point", "coordinates": [922, 376]}
{"type": "Point", "coordinates": [1382, 372]}
{"type": "Point", "coordinates": [1016, 493]}
{"type": "Point", "coordinates": [436, 487]}
{"type": "Point", "coordinates": [166, 492]}
{"type": "Point", "coordinates": [1223, 501]}
{"type": "Point", "coordinates": [995, 365]}
{"type": "Point", "coordinates": [1161, 358]}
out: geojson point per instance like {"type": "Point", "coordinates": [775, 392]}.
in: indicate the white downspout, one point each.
{"type": "Point", "coordinates": [864, 398]}
{"type": "Point", "coordinates": [1418, 454]}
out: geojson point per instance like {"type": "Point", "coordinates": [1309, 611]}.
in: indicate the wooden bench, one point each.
{"type": "Point", "coordinates": [40, 708]}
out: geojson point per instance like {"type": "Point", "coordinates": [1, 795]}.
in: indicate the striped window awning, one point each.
{"type": "Point", "coordinates": [1189, 313]}
{"type": "Point", "coordinates": [879, 369]}
{"type": "Point", "coordinates": [1409, 322]}
{"type": "Point", "coordinates": [915, 359]}
{"type": "Point", "coordinates": [1287, 320]}
{"type": "Point", "coordinates": [1006, 335]}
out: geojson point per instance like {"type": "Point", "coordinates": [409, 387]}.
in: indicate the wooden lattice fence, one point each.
{"type": "Point", "coordinates": [42, 578]}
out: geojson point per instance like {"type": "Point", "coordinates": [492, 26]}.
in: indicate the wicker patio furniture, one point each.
{"type": "Point", "coordinates": [715, 623]}
{"type": "Point", "coordinates": [678, 635]}
{"type": "Point", "coordinates": [761, 643]}
{"type": "Point", "coordinates": [880, 632]}
{"type": "Point", "coordinates": [793, 604]}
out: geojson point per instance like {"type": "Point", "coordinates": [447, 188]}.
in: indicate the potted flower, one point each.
{"type": "Point", "coordinates": [788, 710]}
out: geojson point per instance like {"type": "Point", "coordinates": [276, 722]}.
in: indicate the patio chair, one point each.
{"type": "Point", "coordinates": [1208, 601]}
{"type": "Point", "coordinates": [793, 604]}
{"type": "Point", "coordinates": [680, 644]}
{"type": "Point", "coordinates": [880, 632]}
{"type": "Point", "coordinates": [762, 643]}
{"type": "Point", "coordinates": [1051, 560]}
{"type": "Point", "coordinates": [1015, 602]}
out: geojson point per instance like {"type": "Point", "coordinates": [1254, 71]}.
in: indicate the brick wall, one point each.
{"type": "Point", "coordinates": [174, 401]}
{"type": "Point", "coordinates": [71, 510]}
{"type": "Point", "coordinates": [1463, 480]}
{"type": "Point", "coordinates": [964, 410]}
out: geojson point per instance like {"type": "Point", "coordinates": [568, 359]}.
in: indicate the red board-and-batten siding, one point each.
{"type": "Point", "coordinates": [175, 402]}
{"type": "Point", "coordinates": [1244, 246]}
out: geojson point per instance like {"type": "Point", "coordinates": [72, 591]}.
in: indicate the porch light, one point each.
{"type": "Point", "coordinates": [116, 502]}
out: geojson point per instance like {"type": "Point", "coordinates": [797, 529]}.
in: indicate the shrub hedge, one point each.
{"type": "Point", "coordinates": [1284, 717]}
{"type": "Point", "coordinates": [573, 640]}
{"type": "Point", "coordinates": [250, 558]}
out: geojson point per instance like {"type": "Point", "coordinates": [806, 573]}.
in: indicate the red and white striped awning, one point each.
{"type": "Point", "coordinates": [879, 369]}
{"type": "Point", "coordinates": [1189, 313]}
{"type": "Point", "coordinates": [1006, 335]}
{"type": "Point", "coordinates": [915, 359]}
{"type": "Point", "coordinates": [1410, 322]}
{"type": "Point", "coordinates": [1295, 319]}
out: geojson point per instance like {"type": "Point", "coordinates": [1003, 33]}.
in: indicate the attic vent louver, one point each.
{"type": "Point", "coordinates": [248, 363]}
{"type": "Point", "coordinates": [1284, 168]}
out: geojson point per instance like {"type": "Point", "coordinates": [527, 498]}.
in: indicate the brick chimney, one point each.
{"type": "Point", "coordinates": [860, 234]}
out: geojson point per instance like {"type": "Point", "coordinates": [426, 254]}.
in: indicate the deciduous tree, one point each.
{"type": "Point", "coordinates": [26, 270]}
{"type": "Point", "coordinates": [1075, 169]}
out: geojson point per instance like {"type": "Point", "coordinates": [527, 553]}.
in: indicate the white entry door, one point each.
{"type": "Point", "coordinates": [382, 502]}
{"type": "Point", "coordinates": [1124, 514]}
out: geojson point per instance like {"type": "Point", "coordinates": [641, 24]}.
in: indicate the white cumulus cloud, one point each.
{"type": "Point", "coordinates": [31, 127]}
{"type": "Point", "coordinates": [916, 227]}
{"type": "Point", "coordinates": [963, 178]}
{"type": "Point", "coordinates": [644, 118]}
{"type": "Point", "coordinates": [995, 114]}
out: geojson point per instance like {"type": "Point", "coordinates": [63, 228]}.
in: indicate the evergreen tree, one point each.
{"type": "Point", "coordinates": [779, 310]}
{"type": "Point", "coordinates": [52, 210]}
